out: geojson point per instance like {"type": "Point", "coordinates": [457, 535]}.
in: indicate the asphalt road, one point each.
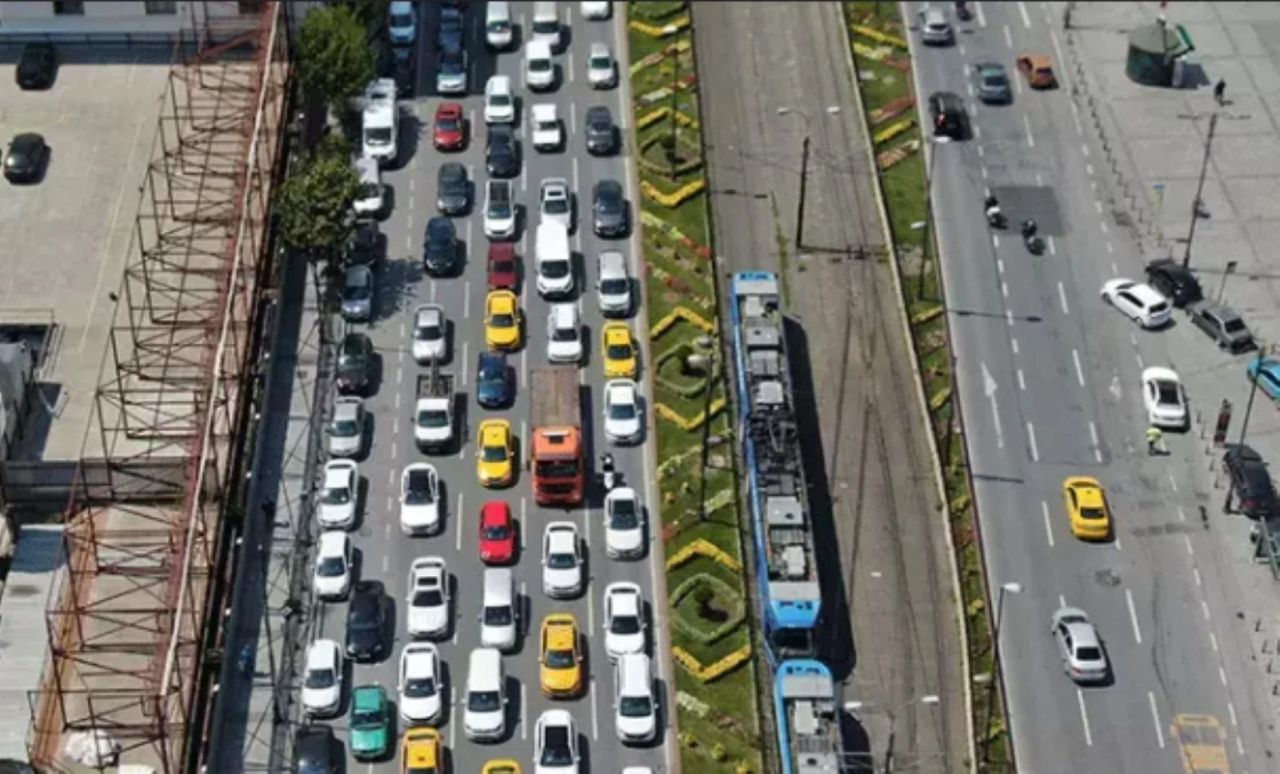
{"type": "Point", "coordinates": [384, 554]}
{"type": "Point", "coordinates": [772, 76]}
{"type": "Point", "coordinates": [1049, 381]}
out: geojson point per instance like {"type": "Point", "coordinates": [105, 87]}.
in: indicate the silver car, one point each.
{"type": "Point", "coordinates": [1079, 647]}
{"type": "Point", "coordinates": [345, 433]}
{"type": "Point", "coordinates": [357, 292]}
{"type": "Point", "coordinates": [935, 28]}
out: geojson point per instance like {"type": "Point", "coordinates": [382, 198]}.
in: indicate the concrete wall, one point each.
{"type": "Point", "coordinates": [25, 17]}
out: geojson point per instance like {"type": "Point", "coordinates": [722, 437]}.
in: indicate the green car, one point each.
{"type": "Point", "coordinates": [370, 723]}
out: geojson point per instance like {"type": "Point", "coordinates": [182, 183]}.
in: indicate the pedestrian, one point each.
{"type": "Point", "coordinates": [1219, 89]}
{"type": "Point", "coordinates": [1153, 439]}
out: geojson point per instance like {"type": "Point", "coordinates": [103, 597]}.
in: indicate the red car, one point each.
{"type": "Point", "coordinates": [497, 533]}
{"type": "Point", "coordinates": [502, 266]}
{"type": "Point", "coordinates": [450, 129]}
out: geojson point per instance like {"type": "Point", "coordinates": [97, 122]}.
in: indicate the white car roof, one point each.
{"type": "Point", "coordinates": [544, 112]}
{"type": "Point", "coordinates": [428, 314]}
{"type": "Point", "coordinates": [1157, 373]}
{"type": "Point", "coordinates": [1147, 294]}
{"type": "Point", "coordinates": [598, 48]}
{"type": "Point", "coordinates": [562, 537]}
{"type": "Point", "coordinates": [322, 654]}
{"type": "Point", "coordinates": [499, 83]}
{"type": "Point", "coordinates": [337, 473]}
{"type": "Point", "coordinates": [333, 543]}
{"type": "Point", "coordinates": [565, 315]}
{"type": "Point", "coordinates": [612, 264]}
{"type": "Point", "coordinates": [620, 493]}
{"type": "Point", "coordinates": [621, 390]}
{"type": "Point", "coordinates": [625, 597]}
{"type": "Point", "coordinates": [557, 184]}
{"type": "Point", "coordinates": [416, 659]}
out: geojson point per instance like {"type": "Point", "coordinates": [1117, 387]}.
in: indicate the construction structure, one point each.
{"type": "Point", "coordinates": [149, 539]}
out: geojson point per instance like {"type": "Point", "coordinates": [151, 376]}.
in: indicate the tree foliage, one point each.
{"type": "Point", "coordinates": [313, 205]}
{"type": "Point", "coordinates": [335, 59]}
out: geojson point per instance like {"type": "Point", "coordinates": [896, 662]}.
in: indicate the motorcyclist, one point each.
{"type": "Point", "coordinates": [991, 206]}
{"type": "Point", "coordinates": [607, 470]}
{"type": "Point", "coordinates": [1028, 228]}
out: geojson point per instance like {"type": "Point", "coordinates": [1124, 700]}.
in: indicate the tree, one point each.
{"type": "Point", "coordinates": [335, 60]}
{"type": "Point", "coordinates": [313, 205]}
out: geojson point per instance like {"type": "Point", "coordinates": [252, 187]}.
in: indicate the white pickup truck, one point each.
{"type": "Point", "coordinates": [433, 413]}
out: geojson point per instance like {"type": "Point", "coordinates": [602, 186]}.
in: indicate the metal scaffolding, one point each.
{"type": "Point", "coordinates": [133, 623]}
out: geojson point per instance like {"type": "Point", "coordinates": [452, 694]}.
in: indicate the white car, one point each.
{"type": "Point", "coordinates": [428, 599]}
{"type": "Point", "coordinates": [602, 71]}
{"type": "Point", "coordinates": [555, 743]}
{"type": "Point", "coordinates": [332, 576]}
{"type": "Point", "coordinates": [1083, 657]}
{"type": "Point", "coordinates": [345, 432]}
{"type": "Point", "coordinates": [548, 134]}
{"type": "Point", "coordinates": [622, 418]}
{"type": "Point", "coordinates": [402, 22]}
{"type": "Point", "coordinates": [499, 104]}
{"type": "Point", "coordinates": [623, 524]}
{"type": "Point", "coordinates": [430, 334]}
{"type": "Point", "coordinates": [561, 560]}
{"type": "Point", "coordinates": [594, 10]}
{"type": "Point", "coordinates": [322, 680]}
{"type": "Point", "coordinates": [370, 195]}
{"type": "Point", "coordinates": [555, 202]}
{"type": "Point", "coordinates": [1138, 301]}
{"type": "Point", "coordinates": [624, 627]}
{"type": "Point", "coordinates": [420, 684]}
{"type": "Point", "coordinates": [613, 284]}
{"type": "Point", "coordinates": [338, 495]}
{"type": "Point", "coordinates": [499, 209]}
{"type": "Point", "coordinates": [1164, 398]}
{"type": "Point", "coordinates": [636, 708]}
{"type": "Point", "coordinates": [564, 334]}
{"type": "Point", "coordinates": [419, 499]}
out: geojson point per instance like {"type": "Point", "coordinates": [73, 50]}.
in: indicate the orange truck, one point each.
{"type": "Point", "coordinates": [556, 448]}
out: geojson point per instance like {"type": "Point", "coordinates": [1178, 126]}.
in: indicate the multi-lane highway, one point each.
{"type": "Point", "coordinates": [384, 554]}
{"type": "Point", "coordinates": [1049, 383]}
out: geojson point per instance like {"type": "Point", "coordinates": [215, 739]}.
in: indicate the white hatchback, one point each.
{"type": "Point", "coordinates": [1163, 396]}
{"type": "Point", "coordinates": [564, 334]}
{"type": "Point", "coordinates": [602, 71]}
{"type": "Point", "coordinates": [420, 688]}
{"type": "Point", "coordinates": [428, 599]}
{"type": "Point", "coordinates": [419, 499]}
{"type": "Point", "coordinates": [331, 578]}
{"type": "Point", "coordinates": [499, 103]}
{"type": "Point", "coordinates": [561, 560]}
{"type": "Point", "coordinates": [338, 495]}
{"type": "Point", "coordinates": [555, 203]}
{"type": "Point", "coordinates": [622, 418]}
{"type": "Point", "coordinates": [430, 334]}
{"type": "Point", "coordinates": [623, 524]}
{"type": "Point", "coordinates": [322, 680]}
{"type": "Point", "coordinates": [1138, 301]}
{"type": "Point", "coordinates": [624, 627]}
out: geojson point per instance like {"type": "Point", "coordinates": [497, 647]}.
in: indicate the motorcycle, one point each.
{"type": "Point", "coordinates": [996, 219]}
{"type": "Point", "coordinates": [607, 472]}
{"type": "Point", "coordinates": [962, 10]}
{"type": "Point", "coordinates": [1032, 240]}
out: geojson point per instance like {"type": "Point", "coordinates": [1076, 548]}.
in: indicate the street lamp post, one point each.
{"type": "Point", "coordinates": [1011, 587]}
{"type": "Point", "coordinates": [929, 700]}
{"type": "Point", "coordinates": [1195, 203]}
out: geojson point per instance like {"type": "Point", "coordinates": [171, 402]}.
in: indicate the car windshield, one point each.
{"type": "Point", "coordinates": [546, 26]}
{"type": "Point", "coordinates": [626, 624]}
{"type": "Point", "coordinates": [378, 136]}
{"type": "Point", "coordinates": [556, 205]}
{"type": "Point", "coordinates": [619, 351]}
{"type": "Point", "coordinates": [419, 492]}
{"type": "Point", "coordinates": [451, 64]}
{"type": "Point", "coordinates": [554, 269]}
{"type": "Point", "coordinates": [366, 718]}
{"type": "Point", "coordinates": [501, 320]}
{"type": "Point", "coordinates": [1167, 393]}
{"type": "Point", "coordinates": [338, 495]}
{"type": "Point", "coordinates": [490, 373]}
{"type": "Point", "coordinates": [428, 598]}
{"type": "Point", "coordinates": [356, 292]}
{"type": "Point", "coordinates": [429, 332]}
{"type": "Point", "coordinates": [433, 418]}
{"type": "Point", "coordinates": [447, 124]}
{"type": "Point", "coordinates": [496, 532]}
{"type": "Point", "coordinates": [994, 80]}
{"type": "Point", "coordinates": [369, 191]}
{"type": "Point", "coordinates": [1231, 326]}
{"type": "Point", "coordinates": [622, 411]}
{"type": "Point", "coordinates": [555, 748]}
{"type": "Point", "coordinates": [499, 209]}
{"type": "Point", "coordinates": [350, 360]}
{"type": "Point", "coordinates": [345, 428]}
{"type": "Point", "coordinates": [558, 468]}
{"type": "Point", "coordinates": [499, 100]}
{"type": "Point", "coordinates": [635, 707]}
{"type": "Point", "coordinates": [484, 701]}
{"type": "Point", "coordinates": [420, 687]}
{"type": "Point", "coordinates": [564, 334]}
{"type": "Point", "coordinates": [539, 65]}
{"type": "Point", "coordinates": [614, 286]}
{"type": "Point", "coordinates": [1092, 512]}
{"type": "Point", "coordinates": [562, 561]}
{"type": "Point", "coordinates": [498, 26]}
{"type": "Point", "coordinates": [497, 616]}
{"type": "Point", "coordinates": [1088, 653]}
{"type": "Point", "coordinates": [623, 515]}
{"type": "Point", "coordinates": [320, 678]}
{"type": "Point", "coordinates": [494, 454]}
{"type": "Point", "coordinates": [600, 62]}
{"type": "Point", "coordinates": [331, 567]}
{"type": "Point", "coordinates": [560, 659]}
{"type": "Point", "coordinates": [401, 20]}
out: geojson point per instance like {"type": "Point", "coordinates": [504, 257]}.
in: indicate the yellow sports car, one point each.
{"type": "Point", "coordinates": [619, 351]}
{"type": "Point", "coordinates": [495, 453]}
{"type": "Point", "coordinates": [501, 320]}
{"type": "Point", "coordinates": [420, 752]}
{"type": "Point", "coordinates": [1087, 508]}
{"type": "Point", "coordinates": [501, 766]}
{"type": "Point", "coordinates": [561, 661]}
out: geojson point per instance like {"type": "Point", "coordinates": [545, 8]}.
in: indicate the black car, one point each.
{"type": "Point", "coordinates": [405, 75]}
{"type": "Point", "coordinates": [367, 621]}
{"type": "Point", "coordinates": [315, 750]}
{"type": "Point", "coordinates": [37, 67]}
{"type": "Point", "coordinates": [602, 135]}
{"type": "Point", "coordinates": [493, 380]}
{"type": "Point", "coordinates": [453, 190]}
{"type": "Point", "coordinates": [609, 209]}
{"type": "Point", "coordinates": [947, 112]}
{"type": "Point", "coordinates": [1177, 284]}
{"type": "Point", "coordinates": [449, 34]}
{"type": "Point", "coordinates": [440, 253]}
{"type": "Point", "coordinates": [502, 152]}
{"type": "Point", "coordinates": [355, 363]}
{"type": "Point", "coordinates": [25, 158]}
{"type": "Point", "coordinates": [363, 245]}
{"type": "Point", "coordinates": [1255, 495]}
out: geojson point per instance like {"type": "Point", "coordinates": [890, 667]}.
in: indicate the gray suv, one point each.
{"type": "Point", "coordinates": [357, 292]}
{"type": "Point", "coordinates": [1222, 324]}
{"type": "Point", "coordinates": [600, 131]}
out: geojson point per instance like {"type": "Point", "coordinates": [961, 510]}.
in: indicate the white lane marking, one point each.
{"type": "Point", "coordinates": [576, 187]}
{"type": "Point", "coordinates": [1062, 296]}
{"type": "Point", "coordinates": [1097, 205]}
{"type": "Point", "coordinates": [995, 241]}
{"type": "Point", "coordinates": [432, 295]}
{"type": "Point", "coordinates": [1048, 525]}
{"type": "Point", "coordinates": [413, 183]}
{"type": "Point", "coordinates": [1085, 150]}
{"type": "Point", "coordinates": [408, 241]}
{"type": "Point", "coordinates": [1031, 439]}
{"type": "Point", "coordinates": [524, 533]}
{"type": "Point", "coordinates": [1114, 269]}
{"type": "Point", "coordinates": [1088, 169]}
{"type": "Point", "coordinates": [569, 68]}
{"type": "Point", "coordinates": [1204, 609]}
{"type": "Point", "coordinates": [1103, 225]}
{"type": "Point", "coordinates": [1014, 344]}
{"type": "Point", "coordinates": [1008, 316]}
{"type": "Point", "coordinates": [999, 269]}
{"type": "Point", "coordinates": [524, 709]}
{"type": "Point", "coordinates": [1075, 355]}
{"type": "Point", "coordinates": [1231, 710]}
{"type": "Point", "coordinates": [393, 450]}
{"type": "Point", "coordinates": [1173, 482]}
{"type": "Point", "coordinates": [1117, 540]}
{"type": "Point", "coordinates": [961, 47]}
{"type": "Point", "coordinates": [983, 170]}
{"type": "Point", "coordinates": [457, 524]}
{"type": "Point", "coordinates": [466, 345]}
{"type": "Point", "coordinates": [1093, 432]}
{"type": "Point", "coordinates": [1022, 382]}
{"type": "Point", "coordinates": [1182, 515]}
{"type": "Point", "coordinates": [1222, 675]}
{"type": "Point", "coordinates": [982, 20]}
{"type": "Point", "coordinates": [1084, 716]}
{"type": "Point", "coordinates": [1062, 601]}
{"type": "Point", "coordinates": [1039, 179]}
{"type": "Point", "coordinates": [524, 367]}
{"type": "Point", "coordinates": [1133, 615]}
{"type": "Point", "coordinates": [573, 118]}
{"type": "Point", "coordinates": [1155, 718]}
{"type": "Point", "coordinates": [1213, 640]}
{"type": "Point", "coordinates": [413, 205]}
{"type": "Point", "coordinates": [1053, 250]}
{"type": "Point", "coordinates": [524, 186]}
{"type": "Point", "coordinates": [1026, 122]}
{"type": "Point", "coordinates": [386, 562]}
{"type": "Point", "coordinates": [1110, 249]}
{"type": "Point", "coordinates": [1141, 364]}
{"type": "Point", "coordinates": [595, 716]}
{"type": "Point", "coordinates": [453, 727]}
{"type": "Point", "coordinates": [968, 86]}
{"type": "Point", "coordinates": [1008, 36]}
{"type": "Point", "coordinates": [1004, 289]}
{"type": "Point", "coordinates": [1075, 115]}
{"type": "Point", "coordinates": [466, 287]}
{"type": "Point", "coordinates": [1186, 540]}
{"type": "Point", "coordinates": [1240, 747]}
{"type": "Point", "coordinates": [1022, 9]}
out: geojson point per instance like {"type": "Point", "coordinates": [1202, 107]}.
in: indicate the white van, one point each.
{"type": "Point", "coordinates": [539, 67]}
{"type": "Point", "coordinates": [499, 612]}
{"type": "Point", "coordinates": [546, 23]}
{"type": "Point", "coordinates": [485, 716]}
{"type": "Point", "coordinates": [380, 121]}
{"type": "Point", "coordinates": [553, 260]}
{"type": "Point", "coordinates": [497, 24]}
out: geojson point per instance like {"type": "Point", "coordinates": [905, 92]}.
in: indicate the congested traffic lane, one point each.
{"type": "Point", "coordinates": [385, 554]}
{"type": "Point", "coordinates": [1049, 376]}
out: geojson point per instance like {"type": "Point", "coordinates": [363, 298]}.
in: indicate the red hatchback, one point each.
{"type": "Point", "coordinates": [497, 533]}
{"type": "Point", "coordinates": [449, 132]}
{"type": "Point", "coordinates": [502, 266]}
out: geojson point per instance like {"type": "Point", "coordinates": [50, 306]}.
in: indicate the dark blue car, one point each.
{"type": "Point", "coordinates": [1267, 373]}
{"type": "Point", "coordinates": [493, 380]}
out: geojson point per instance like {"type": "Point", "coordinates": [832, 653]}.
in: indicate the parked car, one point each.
{"type": "Point", "coordinates": [1222, 324]}
{"type": "Point", "coordinates": [357, 293]}
{"type": "Point", "coordinates": [555, 202]}
{"type": "Point", "coordinates": [624, 625]}
{"type": "Point", "coordinates": [420, 499]}
{"type": "Point", "coordinates": [322, 679]}
{"type": "Point", "coordinates": [316, 750]}
{"type": "Point", "coordinates": [367, 622]}
{"type": "Point", "coordinates": [1137, 301]}
{"type": "Point", "coordinates": [1079, 647]}
{"type": "Point", "coordinates": [430, 334]}
{"type": "Point", "coordinates": [1267, 373]}
{"type": "Point", "coordinates": [355, 364]}
{"type": "Point", "coordinates": [1164, 398]}
{"type": "Point", "coordinates": [935, 27]}
{"type": "Point", "coordinates": [364, 243]}
{"type": "Point", "coordinates": [37, 66]}
{"type": "Point", "coordinates": [428, 602]}
{"type": "Point", "coordinates": [440, 251]}
{"type": "Point", "coordinates": [602, 71]}
{"type": "Point", "coordinates": [449, 130]}
{"type": "Point", "coordinates": [345, 433]}
{"type": "Point", "coordinates": [449, 33]}
{"type": "Point", "coordinates": [421, 684]}
{"type": "Point", "coordinates": [502, 272]}
{"type": "Point", "coordinates": [451, 70]}
{"type": "Point", "coordinates": [331, 578]}
{"type": "Point", "coordinates": [370, 734]}
{"type": "Point", "coordinates": [453, 189]}
{"type": "Point", "coordinates": [25, 158]}
{"type": "Point", "coordinates": [562, 574]}
{"type": "Point", "coordinates": [623, 422]}
{"type": "Point", "coordinates": [339, 497]}
{"type": "Point", "coordinates": [623, 524]}
{"type": "Point", "coordinates": [402, 23]}
{"type": "Point", "coordinates": [1177, 284]}
{"type": "Point", "coordinates": [1250, 481]}
{"type": "Point", "coordinates": [555, 743]}
{"type": "Point", "coordinates": [499, 104]}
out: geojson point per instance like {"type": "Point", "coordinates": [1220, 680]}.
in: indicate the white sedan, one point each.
{"type": "Point", "coordinates": [623, 524]}
{"type": "Point", "coordinates": [561, 560]}
{"type": "Point", "coordinates": [1164, 398]}
{"type": "Point", "coordinates": [555, 743]}
{"type": "Point", "coordinates": [322, 680]}
{"type": "Point", "coordinates": [594, 9]}
{"type": "Point", "coordinates": [419, 499]}
{"type": "Point", "coordinates": [331, 578]}
{"type": "Point", "coordinates": [428, 599]}
{"type": "Point", "coordinates": [499, 104]}
{"type": "Point", "coordinates": [338, 495]}
{"type": "Point", "coordinates": [622, 419]}
{"type": "Point", "coordinates": [602, 72]}
{"type": "Point", "coordinates": [624, 628]}
{"type": "Point", "coordinates": [555, 202]}
{"type": "Point", "coordinates": [421, 692]}
{"type": "Point", "coordinates": [430, 334]}
{"type": "Point", "coordinates": [1138, 301]}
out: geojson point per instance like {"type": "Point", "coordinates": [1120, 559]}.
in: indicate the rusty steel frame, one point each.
{"type": "Point", "coordinates": [128, 621]}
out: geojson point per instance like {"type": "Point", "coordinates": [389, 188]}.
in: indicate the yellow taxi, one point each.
{"type": "Point", "coordinates": [420, 752]}
{"type": "Point", "coordinates": [501, 320]}
{"type": "Point", "coordinates": [561, 660]}
{"type": "Point", "coordinates": [1087, 508]}
{"type": "Point", "coordinates": [619, 351]}
{"type": "Point", "coordinates": [501, 766]}
{"type": "Point", "coordinates": [495, 453]}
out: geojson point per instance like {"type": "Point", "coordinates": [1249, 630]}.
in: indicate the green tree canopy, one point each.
{"type": "Point", "coordinates": [313, 205]}
{"type": "Point", "coordinates": [335, 60]}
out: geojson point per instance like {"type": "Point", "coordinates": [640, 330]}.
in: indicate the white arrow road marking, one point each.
{"type": "Point", "coordinates": [989, 389]}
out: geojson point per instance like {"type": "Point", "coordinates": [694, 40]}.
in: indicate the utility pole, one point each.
{"type": "Point", "coordinates": [1195, 203]}
{"type": "Point", "coordinates": [804, 187]}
